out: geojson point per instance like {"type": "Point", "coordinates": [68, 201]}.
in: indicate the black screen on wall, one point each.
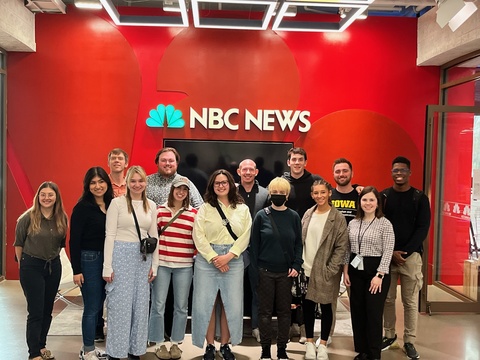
{"type": "Point", "coordinates": [199, 158]}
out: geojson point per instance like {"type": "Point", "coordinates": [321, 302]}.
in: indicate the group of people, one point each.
{"type": "Point", "coordinates": [298, 227]}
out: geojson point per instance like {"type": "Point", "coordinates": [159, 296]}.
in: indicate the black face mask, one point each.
{"type": "Point", "coordinates": [278, 199]}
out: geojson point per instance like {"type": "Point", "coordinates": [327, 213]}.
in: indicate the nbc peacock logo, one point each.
{"type": "Point", "coordinates": [169, 113]}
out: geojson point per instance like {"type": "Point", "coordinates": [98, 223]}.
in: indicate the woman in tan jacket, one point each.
{"type": "Point", "coordinates": [325, 242]}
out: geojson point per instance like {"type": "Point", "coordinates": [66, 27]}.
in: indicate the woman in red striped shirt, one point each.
{"type": "Point", "coordinates": [176, 249]}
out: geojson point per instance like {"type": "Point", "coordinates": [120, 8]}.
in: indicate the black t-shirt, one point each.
{"type": "Point", "coordinates": [346, 203]}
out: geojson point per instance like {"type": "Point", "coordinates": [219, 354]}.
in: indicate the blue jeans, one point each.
{"type": "Point", "coordinates": [182, 280]}
{"type": "Point", "coordinates": [93, 293]}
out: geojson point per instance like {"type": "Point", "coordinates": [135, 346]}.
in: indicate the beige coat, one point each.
{"type": "Point", "coordinates": [324, 282]}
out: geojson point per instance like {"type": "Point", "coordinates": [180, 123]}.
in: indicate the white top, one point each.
{"type": "Point", "coordinates": [313, 240]}
{"type": "Point", "coordinates": [120, 226]}
{"type": "Point", "coordinates": [209, 229]}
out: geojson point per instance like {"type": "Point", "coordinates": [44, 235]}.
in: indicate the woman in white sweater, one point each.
{"type": "Point", "coordinates": [126, 270]}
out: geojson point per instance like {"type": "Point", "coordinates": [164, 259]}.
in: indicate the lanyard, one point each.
{"type": "Point", "coordinates": [360, 238]}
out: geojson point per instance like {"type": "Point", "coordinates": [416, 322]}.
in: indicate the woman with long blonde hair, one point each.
{"type": "Point", "coordinates": [126, 270]}
{"type": "Point", "coordinates": [39, 236]}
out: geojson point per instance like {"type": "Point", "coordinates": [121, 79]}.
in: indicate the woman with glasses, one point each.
{"type": "Point", "coordinates": [127, 270]}
{"type": "Point", "coordinates": [39, 236]}
{"type": "Point", "coordinates": [221, 233]}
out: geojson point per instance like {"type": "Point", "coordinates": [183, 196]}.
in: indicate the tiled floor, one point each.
{"type": "Point", "coordinates": [452, 336]}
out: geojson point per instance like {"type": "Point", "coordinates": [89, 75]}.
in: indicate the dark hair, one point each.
{"type": "Point", "coordinates": [342, 161]}
{"type": "Point", "coordinates": [297, 150]}
{"type": "Point", "coordinates": [233, 197]}
{"type": "Point", "coordinates": [87, 194]}
{"type": "Point", "coordinates": [167, 149]}
{"type": "Point", "coordinates": [378, 210]}
{"type": "Point", "coordinates": [118, 151]}
{"type": "Point", "coordinates": [185, 202]}
{"type": "Point", "coordinates": [327, 185]}
{"type": "Point", "coordinates": [401, 160]}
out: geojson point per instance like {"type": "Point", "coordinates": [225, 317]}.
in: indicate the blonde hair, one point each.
{"type": "Point", "coordinates": [279, 184]}
{"type": "Point", "coordinates": [58, 214]}
{"type": "Point", "coordinates": [130, 172]}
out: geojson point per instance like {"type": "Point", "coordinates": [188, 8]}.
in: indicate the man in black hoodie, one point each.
{"type": "Point", "coordinates": [300, 198]}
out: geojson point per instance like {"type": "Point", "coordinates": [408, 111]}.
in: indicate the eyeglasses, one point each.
{"type": "Point", "coordinates": [170, 161]}
{"type": "Point", "coordinates": [400, 171]}
{"type": "Point", "coordinates": [220, 183]}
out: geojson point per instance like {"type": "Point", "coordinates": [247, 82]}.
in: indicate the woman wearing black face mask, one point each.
{"type": "Point", "coordinates": [276, 251]}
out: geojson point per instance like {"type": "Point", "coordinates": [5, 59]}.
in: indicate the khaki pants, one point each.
{"type": "Point", "coordinates": [411, 281]}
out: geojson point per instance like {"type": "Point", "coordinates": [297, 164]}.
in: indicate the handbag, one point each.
{"type": "Point", "coordinates": [147, 245]}
{"type": "Point", "coordinates": [245, 255]}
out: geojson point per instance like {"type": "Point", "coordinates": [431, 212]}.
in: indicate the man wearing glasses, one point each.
{"type": "Point", "coordinates": [159, 184]}
{"type": "Point", "coordinates": [408, 209]}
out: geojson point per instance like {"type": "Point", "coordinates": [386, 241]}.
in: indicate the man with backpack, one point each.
{"type": "Point", "coordinates": [408, 209]}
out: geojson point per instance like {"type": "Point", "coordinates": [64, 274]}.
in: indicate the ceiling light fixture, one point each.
{"type": "Point", "coordinates": [454, 12]}
{"type": "Point", "coordinates": [341, 12]}
{"type": "Point", "coordinates": [88, 4]}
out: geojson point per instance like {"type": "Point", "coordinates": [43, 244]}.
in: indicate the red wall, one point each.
{"type": "Point", "coordinates": [90, 87]}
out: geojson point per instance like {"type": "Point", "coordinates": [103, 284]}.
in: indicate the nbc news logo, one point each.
{"type": "Point", "coordinates": [169, 113]}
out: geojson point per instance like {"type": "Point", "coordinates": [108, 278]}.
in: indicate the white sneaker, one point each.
{"type": "Point", "coordinates": [256, 334]}
{"type": "Point", "coordinates": [92, 355]}
{"type": "Point", "coordinates": [329, 341]}
{"type": "Point", "coordinates": [311, 351]}
{"type": "Point", "coordinates": [322, 352]}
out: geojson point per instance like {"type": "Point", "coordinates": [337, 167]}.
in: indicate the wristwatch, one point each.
{"type": "Point", "coordinates": [379, 275]}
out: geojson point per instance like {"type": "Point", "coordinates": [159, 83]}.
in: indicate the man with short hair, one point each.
{"type": "Point", "coordinates": [344, 196]}
{"type": "Point", "coordinates": [256, 198]}
{"type": "Point", "coordinates": [408, 209]}
{"type": "Point", "coordinates": [301, 180]}
{"type": "Point", "coordinates": [118, 162]}
{"type": "Point", "coordinates": [159, 184]}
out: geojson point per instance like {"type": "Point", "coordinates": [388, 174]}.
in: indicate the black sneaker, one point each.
{"type": "Point", "coordinates": [387, 343]}
{"type": "Point", "coordinates": [226, 352]}
{"type": "Point", "coordinates": [133, 357]}
{"type": "Point", "coordinates": [99, 337]}
{"type": "Point", "coordinates": [411, 351]}
{"type": "Point", "coordinates": [266, 355]}
{"type": "Point", "coordinates": [282, 353]}
{"type": "Point", "coordinates": [209, 352]}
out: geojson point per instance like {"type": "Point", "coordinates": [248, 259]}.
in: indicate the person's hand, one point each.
{"type": "Point", "coordinates": [224, 268]}
{"type": "Point", "coordinates": [221, 260]}
{"type": "Point", "coordinates": [375, 285]}
{"type": "Point", "coordinates": [397, 257]}
{"type": "Point", "coordinates": [151, 277]}
{"type": "Point", "coordinates": [359, 189]}
{"type": "Point", "coordinates": [292, 272]}
{"type": "Point", "coordinates": [78, 280]}
{"type": "Point", "coordinates": [346, 279]}
{"type": "Point", "coordinates": [108, 279]}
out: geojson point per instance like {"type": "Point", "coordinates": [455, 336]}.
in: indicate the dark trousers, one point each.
{"type": "Point", "coordinates": [309, 318]}
{"type": "Point", "coordinates": [366, 308]}
{"type": "Point", "coordinates": [274, 289]}
{"type": "Point", "coordinates": [39, 280]}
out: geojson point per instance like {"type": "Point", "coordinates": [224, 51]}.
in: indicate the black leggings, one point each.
{"type": "Point", "coordinates": [309, 318]}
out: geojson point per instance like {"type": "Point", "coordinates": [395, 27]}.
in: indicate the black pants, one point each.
{"type": "Point", "coordinates": [367, 308]}
{"type": "Point", "coordinates": [309, 317]}
{"type": "Point", "coordinates": [39, 280]}
{"type": "Point", "coordinates": [274, 288]}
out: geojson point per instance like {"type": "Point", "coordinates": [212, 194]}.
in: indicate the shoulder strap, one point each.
{"type": "Point", "coordinates": [277, 234]}
{"type": "Point", "coordinates": [226, 222]}
{"type": "Point", "coordinates": [171, 221]}
{"type": "Point", "coordinates": [136, 225]}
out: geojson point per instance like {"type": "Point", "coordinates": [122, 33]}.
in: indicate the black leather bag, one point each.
{"type": "Point", "coordinates": [148, 245]}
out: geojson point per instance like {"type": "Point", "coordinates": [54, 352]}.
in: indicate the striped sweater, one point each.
{"type": "Point", "coordinates": [176, 247]}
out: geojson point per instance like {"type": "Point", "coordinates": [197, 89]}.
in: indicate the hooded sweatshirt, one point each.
{"type": "Point", "coordinates": [300, 199]}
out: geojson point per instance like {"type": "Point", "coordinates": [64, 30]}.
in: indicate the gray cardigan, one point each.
{"type": "Point", "coordinates": [324, 282]}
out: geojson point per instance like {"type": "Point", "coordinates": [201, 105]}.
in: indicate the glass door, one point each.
{"type": "Point", "coordinates": [452, 182]}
